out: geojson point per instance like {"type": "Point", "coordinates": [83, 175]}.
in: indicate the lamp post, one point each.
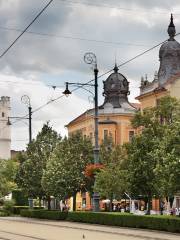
{"type": "Point", "coordinates": [26, 100]}
{"type": "Point", "coordinates": [90, 58]}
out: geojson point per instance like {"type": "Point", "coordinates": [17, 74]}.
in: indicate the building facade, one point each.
{"type": "Point", "coordinates": [114, 115]}
{"type": "Point", "coordinates": [166, 83]}
{"type": "Point", "coordinates": [167, 80]}
{"type": "Point", "coordinates": [114, 120]}
{"type": "Point", "coordinates": [5, 131]}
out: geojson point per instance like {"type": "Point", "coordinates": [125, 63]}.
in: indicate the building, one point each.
{"type": "Point", "coordinates": [167, 80]}
{"type": "Point", "coordinates": [116, 112]}
{"type": "Point", "coordinates": [5, 131]}
{"type": "Point", "coordinates": [114, 120]}
{"type": "Point", "coordinates": [114, 115]}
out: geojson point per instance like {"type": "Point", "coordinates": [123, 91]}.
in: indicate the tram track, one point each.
{"type": "Point", "coordinates": [84, 228]}
{"type": "Point", "coordinates": [27, 237]}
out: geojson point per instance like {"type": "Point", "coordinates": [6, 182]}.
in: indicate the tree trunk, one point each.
{"type": "Point", "coordinates": [40, 201]}
{"type": "Point", "coordinates": [110, 204]}
{"type": "Point", "coordinates": [149, 204]}
{"type": "Point", "coordinates": [74, 201]}
{"type": "Point", "coordinates": [49, 203]}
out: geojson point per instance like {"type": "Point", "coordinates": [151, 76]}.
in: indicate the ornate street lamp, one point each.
{"type": "Point", "coordinates": [90, 58]}
{"type": "Point", "coordinates": [25, 100]}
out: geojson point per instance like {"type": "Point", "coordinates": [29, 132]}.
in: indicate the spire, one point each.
{"type": "Point", "coordinates": [116, 68]}
{"type": "Point", "coordinates": [171, 29]}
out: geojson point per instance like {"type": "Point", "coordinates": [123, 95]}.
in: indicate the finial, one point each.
{"type": "Point", "coordinates": [171, 29]}
{"type": "Point", "coordinates": [116, 68]}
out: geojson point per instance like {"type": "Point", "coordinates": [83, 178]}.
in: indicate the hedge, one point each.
{"type": "Point", "coordinates": [161, 223]}
{"type": "Point", "coordinates": [3, 214]}
{"type": "Point", "coordinates": [170, 224]}
{"type": "Point", "coordinates": [44, 214]}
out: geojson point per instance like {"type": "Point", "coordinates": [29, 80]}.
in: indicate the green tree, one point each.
{"type": "Point", "coordinates": [8, 169]}
{"type": "Point", "coordinates": [151, 155]}
{"type": "Point", "coordinates": [33, 162]}
{"type": "Point", "coordinates": [64, 174]}
{"type": "Point", "coordinates": [111, 181]}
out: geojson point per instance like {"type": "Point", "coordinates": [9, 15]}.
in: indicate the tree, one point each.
{"type": "Point", "coordinates": [64, 174]}
{"type": "Point", "coordinates": [33, 162]}
{"type": "Point", "coordinates": [153, 155]}
{"type": "Point", "coordinates": [111, 181]}
{"type": "Point", "coordinates": [8, 169]}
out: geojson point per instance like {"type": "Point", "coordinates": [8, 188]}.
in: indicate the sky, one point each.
{"type": "Point", "coordinates": [52, 53]}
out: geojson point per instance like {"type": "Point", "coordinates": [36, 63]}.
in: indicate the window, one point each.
{"type": "Point", "coordinates": [3, 115]}
{"type": "Point", "coordinates": [105, 134]}
{"type": "Point", "coordinates": [131, 135]}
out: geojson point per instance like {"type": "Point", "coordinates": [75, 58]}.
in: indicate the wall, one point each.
{"type": "Point", "coordinates": [5, 133]}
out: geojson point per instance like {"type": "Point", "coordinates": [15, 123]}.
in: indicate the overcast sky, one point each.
{"type": "Point", "coordinates": [53, 50]}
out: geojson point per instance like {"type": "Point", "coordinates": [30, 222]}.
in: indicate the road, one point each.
{"type": "Point", "coordinates": [16, 228]}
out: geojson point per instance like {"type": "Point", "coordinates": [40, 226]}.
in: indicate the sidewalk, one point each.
{"type": "Point", "coordinates": [126, 232]}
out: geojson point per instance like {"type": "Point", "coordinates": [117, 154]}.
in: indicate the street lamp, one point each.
{"type": "Point", "coordinates": [25, 100]}
{"type": "Point", "coordinates": [90, 58]}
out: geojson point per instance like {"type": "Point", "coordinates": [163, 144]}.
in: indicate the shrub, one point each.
{"type": "Point", "coordinates": [44, 214]}
{"type": "Point", "coordinates": [171, 224]}
{"type": "Point", "coordinates": [8, 206]}
{"type": "Point", "coordinates": [3, 214]}
{"type": "Point", "coordinates": [162, 223]}
{"type": "Point", "coordinates": [17, 209]}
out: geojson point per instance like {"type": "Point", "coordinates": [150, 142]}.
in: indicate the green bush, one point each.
{"type": "Point", "coordinates": [162, 223]}
{"type": "Point", "coordinates": [17, 209]}
{"type": "Point", "coordinates": [3, 214]}
{"type": "Point", "coordinates": [171, 224]}
{"type": "Point", "coordinates": [8, 206]}
{"type": "Point", "coordinates": [44, 214]}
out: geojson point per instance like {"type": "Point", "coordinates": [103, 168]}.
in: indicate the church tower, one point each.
{"type": "Point", "coordinates": [5, 133]}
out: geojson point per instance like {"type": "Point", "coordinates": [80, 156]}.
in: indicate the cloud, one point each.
{"type": "Point", "coordinates": [129, 27]}
{"type": "Point", "coordinates": [59, 113]}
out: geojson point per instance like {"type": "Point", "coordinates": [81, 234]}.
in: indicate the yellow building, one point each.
{"type": "Point", "coordinates": [114, 120]}
{"type": "Point", "coordinates": [167, 81]}
{"type": "Point", "coordinates": [116, 112]}
{"type": "Point", "coordinates": [114, 115]}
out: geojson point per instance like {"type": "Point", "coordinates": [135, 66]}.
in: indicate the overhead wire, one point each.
{"type": "Point", "coordinates": [79, 87]}
{"type": "Point", "coordinates": [36, 17]}
{"type": "Point", "coordinates": [75, 38]}
{"type": "Point", "coordinates": [117, 7]}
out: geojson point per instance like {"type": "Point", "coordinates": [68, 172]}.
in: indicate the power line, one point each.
{"type": "Point", "coordinates": [37, 16]}
{"type": "Point", "coordinates": [79, 87]}
{"type": "Point", "coordinates": [74, 38]}
{"type": "Point", "coordinates": [115, 7]}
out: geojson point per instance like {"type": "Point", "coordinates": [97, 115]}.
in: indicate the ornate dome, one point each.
{"type": "Point", "coordinates": [169, 55]}
{"type": "Point", "coordinates": [116, 89]}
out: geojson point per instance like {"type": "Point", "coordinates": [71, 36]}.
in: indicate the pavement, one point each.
{"type": "Point", "coordinates": [18, 228]}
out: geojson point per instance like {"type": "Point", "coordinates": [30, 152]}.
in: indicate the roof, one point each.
{"type": "Point", "coordinates": [135, 105]}
{"type": "Point", "coordinates": [170, 80]}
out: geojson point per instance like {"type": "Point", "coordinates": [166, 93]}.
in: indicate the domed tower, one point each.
{"type": "Point", "coordinates": [116, 91]}
{"type": "Point", "coordinates": [169, 56]}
